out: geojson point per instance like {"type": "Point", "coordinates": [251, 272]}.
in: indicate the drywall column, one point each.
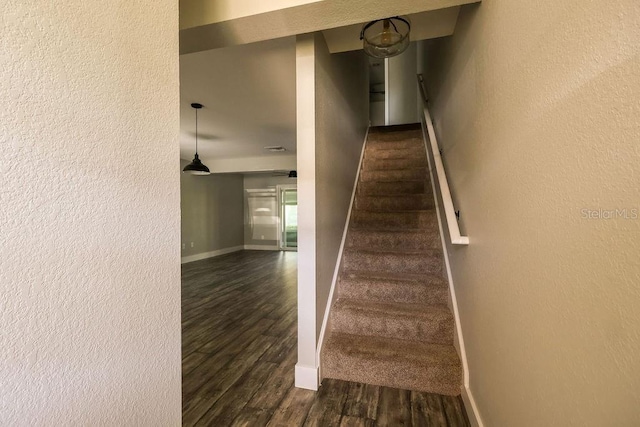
{"type": "Point", "coordinates": [333, 113]}
{"type": "Point", "coordinates": [536, 109]}
{"type": "Point", "coordinates": [90, 216]}
{"type": "Point", "coordinates": [306, 375]}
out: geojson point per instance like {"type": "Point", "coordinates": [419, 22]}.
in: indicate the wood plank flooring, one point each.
{"type": "Point", "coordinates": [239, 351]}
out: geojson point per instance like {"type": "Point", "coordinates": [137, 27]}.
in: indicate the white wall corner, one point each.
{"type": "Point", "coordinates": [211, 254]}
{"type": "Point", "coordinates": [306, 377]}
{"type": "Point", "coordinates": [332, 293]}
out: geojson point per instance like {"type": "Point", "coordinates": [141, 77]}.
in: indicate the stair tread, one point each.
{"type": "Point", "coordinates": [427, 279]}
{"type": "Point", "coordinates": [395, 309]}
{"type": "Point", "coordinates": [392, 362]}
{"type": "Point", "coordinates": [390, 230]}
{"type": "Point", "coordinates": [382, 347]}
{"type": "Point", "coordinates": [384, 251]}
{"type": "Point", "coordinates": [399, 211]}
{"type": "Point", "coordinates": [422, 168]}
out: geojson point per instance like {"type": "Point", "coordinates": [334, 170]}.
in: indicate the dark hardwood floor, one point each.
{"type": "Point", "coordinates": [239, 352]}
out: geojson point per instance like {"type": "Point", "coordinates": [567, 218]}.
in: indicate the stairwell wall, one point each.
{"type": "Point", "coordinates": [536, 109]}
{"type": "Point", "coordinates": [332, 116]}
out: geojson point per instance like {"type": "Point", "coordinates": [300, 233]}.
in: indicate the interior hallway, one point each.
{"type": "Point", "coordinates": [239, 352]}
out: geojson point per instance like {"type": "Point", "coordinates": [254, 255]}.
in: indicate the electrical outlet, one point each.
{"type": "Point", "coordinates": [191, 244]}
{"type": "Point", "coordinates": [184, 246]}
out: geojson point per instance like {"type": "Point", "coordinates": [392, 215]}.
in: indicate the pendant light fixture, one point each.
{"type": "Point", "coordinates": [196, 167]}
{"type": "Point", "coordinates": [384, 38]}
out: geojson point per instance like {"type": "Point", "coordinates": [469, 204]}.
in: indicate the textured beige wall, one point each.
{"type": "Point", "coordinates": [537, 107]}
{"type": "Point", "coordinates": [89, 214]}
{"type": "Point", "coordinates": [212, 212]}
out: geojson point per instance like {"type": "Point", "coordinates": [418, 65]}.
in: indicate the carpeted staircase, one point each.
{"type": "Point", "coordinates": [390, 324]}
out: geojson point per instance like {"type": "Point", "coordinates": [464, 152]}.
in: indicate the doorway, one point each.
{"type": "Point", "coordinates": [288, 196]}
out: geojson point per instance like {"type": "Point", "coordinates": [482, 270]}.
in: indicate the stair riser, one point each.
{"type": "Point", "coordinates": [388, 291]}
{"type": "Point", "coordinates": [390, 241]}
{"type": "Point", "coordinates": [402, 187]}
{"type": "Point", "coordinates": [401, 153]}
{"type": "Point", "coordinates": [433, 329]}
{"type": "Point", "coordinates": [394, 175]}
{"type": "Point", "coordinates": [400, 263]}
{"type": "Point", "coordinates": [400, 375]}
{"type": "Point", "coordinates": [394, 164]}
{"type": "Point", "coordinates": [394, 203]}
{"type": "Point", "coordinates": [399, 221]}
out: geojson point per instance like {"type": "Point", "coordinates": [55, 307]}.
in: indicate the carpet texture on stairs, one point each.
{"type": "Point", "coordinates": [391, 324]}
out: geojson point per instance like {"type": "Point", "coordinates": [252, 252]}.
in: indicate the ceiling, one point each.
{"type": "Point", "coordinates": [249, 95]}
{"type": "Point", "coordinates": [248, 92]}
{"type": "Point", "coordinates": [206, 24]}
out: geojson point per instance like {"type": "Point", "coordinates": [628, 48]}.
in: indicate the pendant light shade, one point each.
{"type": "Point", "coordinates": [384, 38]}
{"type": "Point", "coordinates": [196, 167]}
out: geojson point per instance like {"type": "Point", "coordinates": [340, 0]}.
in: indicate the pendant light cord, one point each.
{"type": "Point", "coordinates": [196, 131]}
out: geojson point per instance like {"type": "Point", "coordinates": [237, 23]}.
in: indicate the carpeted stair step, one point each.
{"type": "Point", "coordinates": [373, 188]}
{"type": "Point", "coordinates": [395, 133]}
{"type": "Point", "coordinates": [392, 362]}
{"type": "Point", "coordinates": [419, 322]}
{"type": "Point", "coordinates": [391, 324]}
{"type": "Point", "coordinates": [394, 144]}
{"type": "Point", "coordinates": [394, 153]}
{"type": "Point", "coordinates": [412, 202]}
{"type": "Point", "coordinates": [413, 174]}
{"type": "Point", "coordinates": [399, 288]}
{"type": "Point", "coordinates": [394, 220]}
{"type": "Point", "coordinates": [411, 240]}
{"type": "Point", "coordinates": [394, 164]}
{"type": "Point", "coordinates": [426, 262]}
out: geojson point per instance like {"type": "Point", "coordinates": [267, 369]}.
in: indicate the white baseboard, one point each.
{"type": "Point", "coordinates": [205, 255]}
{"type": "Point", "coordinates": [471, 407]}
{"type": "Point", "coordinates": [306, 377]}
{"type": "Point", "coordinates": [327, 311]}
{"type": "Point", "coordinates": [261, 248]}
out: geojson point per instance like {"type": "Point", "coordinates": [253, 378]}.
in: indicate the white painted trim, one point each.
{"type": "Point", "coordinates": [470, 404]}
{"type": "Point", "coordinates": [261, 248]}
{"type": "Point", "coordinates": [471, 408]}
{"type": "Point", "coordinates": [452, 221]}
{"type": "Point", "coordinates": [327, 310]}
{"type": "Point", "coordinates": [306, 377]}
{"type": "Point", "coordinates": [281, 231]}
{"type": "Point", "coordinates": [387, 98]}
{"type": "Point", "coordinates": [306, 160]}
{"type": "Point", "coordinates": [211, 254]}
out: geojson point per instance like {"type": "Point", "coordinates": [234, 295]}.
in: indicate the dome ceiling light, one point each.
{"type": "Point", "coordinates": [384, 38]}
